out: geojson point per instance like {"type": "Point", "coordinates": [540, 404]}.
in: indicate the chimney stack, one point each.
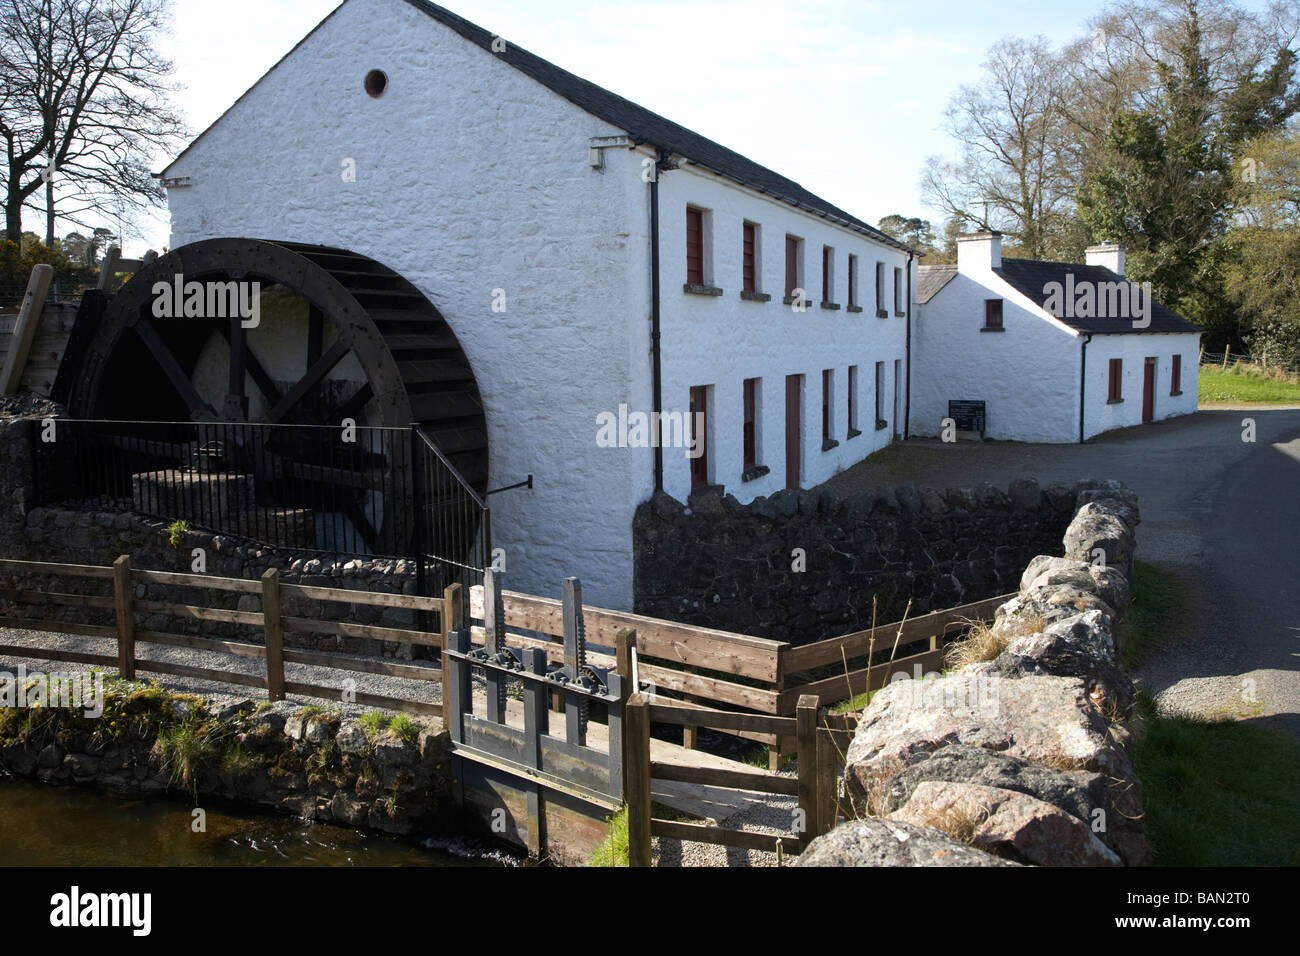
{"type": "Point", "coordinates": [979, 251]}
{"type": "Point", "coordinates": [1108, 254]}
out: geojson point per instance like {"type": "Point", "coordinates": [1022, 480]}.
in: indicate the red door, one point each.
{"type": "Point", "coordinates": [793, 421]}
{"type": "Point", "coordinates": [1149, 390]}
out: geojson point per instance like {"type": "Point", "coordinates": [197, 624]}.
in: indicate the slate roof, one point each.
{"type": "Point", "coordinates": [643, 125]}
{"type": "Point", "coordinates": [930, 279]}
{"type": "Point", "coordinates": [1030, 277]}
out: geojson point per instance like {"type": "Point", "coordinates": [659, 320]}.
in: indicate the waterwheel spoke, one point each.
{"type": "Point", "coordinates": [308, 382]}
{"type": "Point", "coordinates": [180, 380]}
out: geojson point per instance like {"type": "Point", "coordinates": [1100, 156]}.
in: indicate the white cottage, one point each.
{"type": "Point", "coordinates": [1056, 352]}
{"type": "Point", "coordinates": [595, 261]}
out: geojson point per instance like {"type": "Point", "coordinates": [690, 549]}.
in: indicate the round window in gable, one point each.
{"type": "Point", "coordinates": [376, 83]}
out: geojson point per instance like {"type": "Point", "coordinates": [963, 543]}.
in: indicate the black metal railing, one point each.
{"type": "Point", "coordinates": [358, 492]}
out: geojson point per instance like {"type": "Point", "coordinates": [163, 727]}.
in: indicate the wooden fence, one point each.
{"type": "Point", "coordinates": [815, 786]}
{"type": "Point", "coordinates": [124, 606]}
{"type": "Point", "coordinates": [708, 668]}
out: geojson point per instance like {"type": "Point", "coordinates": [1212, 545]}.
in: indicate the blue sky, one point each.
{"type": "Point", "coordinates": [843, 96]}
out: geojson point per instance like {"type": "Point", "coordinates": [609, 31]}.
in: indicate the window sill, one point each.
{"type": "Point", "coordinates": [899, 315]}
{"type": "Point", "coordinates": [882, 313]}
{"type": "Point", "coordinates": [1114, 401]}
{"type": "Point", "coordinates": [755, 296]}
{"type": "Point", "coordinates": [853, 308]}
{"type": "Point", "coordinates": [881, 423]}
{"type": "Point", "coordinates": [791, 300]}
{"type": "Point", "coordinates": [829, 443]}
{"type": "Point", "coordinates": [691, 289]}
{"type": "Point", "coordinates": [832, 306]}
{"type": "Point", "coordinates": [853, 433]}
{"type": "Point", "coordinates": [752, 474]}
{"type": "Point", "coordinates": [1175, 394]}
{"type": "Point", "coordinates": [992, 328]}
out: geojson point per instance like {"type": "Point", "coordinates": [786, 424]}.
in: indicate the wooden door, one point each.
{"type": "Point", "coordinates": [793, 424]}
{"type": "Point", "coordinates": [699, 429]}
{"type": "Point", "coordinates": [898, 373]}
{"type": "Point", "coordinates": [1149, 390]}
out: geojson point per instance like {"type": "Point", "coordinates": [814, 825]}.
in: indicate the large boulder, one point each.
{"type": "Point", "coordinates": [1107, 583]}
{"type": "Point", "coordinates": [1080, 646]}
{"type": "Point", "coordinates": [877, 842]}
{"type": "Point", "coordinates": [1043, 606]}
{"type": "Point", "coordinates": [1112, 809]}
{"type": "Point", "coordinates": [1046, 719]}
{"type": "Point", "coordinates": [1098, 527]}
{"type": "Point", "coordinates": [1006, 823]}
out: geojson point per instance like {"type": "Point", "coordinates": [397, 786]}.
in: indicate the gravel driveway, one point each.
{"type": "Point", "coordinates": [1221, 513]}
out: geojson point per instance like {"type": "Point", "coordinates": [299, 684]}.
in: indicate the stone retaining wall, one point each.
{"type": "Point", "coordinates": [804, 566]}
{"type": "Point", "coordinates": [283, 757]}
{"type": "Point", "coordinates": [1027, 756]}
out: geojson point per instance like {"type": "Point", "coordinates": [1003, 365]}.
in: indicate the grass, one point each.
{"type": "Point", "coordinates": [404, 727]}
{"type": "Point", "coordinates": [612, 851]}
{"type": "Point", "coordinates": [1248, 383]}
{"type": "Point", "coordinates": [373, 723]}
{"type": "Point", "coordinates": [1219, 792]}
{"type": "Point", "coordinates": [1158, 613]}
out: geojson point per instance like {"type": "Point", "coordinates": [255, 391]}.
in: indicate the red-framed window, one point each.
{"type": "Point", "coordinates": [694, 245]}
{"type": "Point", "coordinates": [880, 286]}
{"type": "Point", "coordinates": [749, 269]}
{"type": "Point", "coordinates": [853, 281]}
{"type": "Point", "coordinates": [791, 264]}
{"type": "Point", "coordinates": [992, 313]}
{"type": "Point", "coordinates": [1176, 375]}
{"type": "Point", "coordinates": [898, 290]}
{"type": "Point", "coordinates": [1116, 380]}
{"type": "Point", "coordinates": [828, 255]}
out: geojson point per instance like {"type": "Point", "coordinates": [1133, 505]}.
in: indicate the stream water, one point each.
{"type": "Point", "coordinates": [42, 825]}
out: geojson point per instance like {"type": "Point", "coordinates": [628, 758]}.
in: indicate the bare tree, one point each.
{"type": "Point", "coordinates": [1007, 175]}
{"type": "Point", "coordinates": [83, 106]}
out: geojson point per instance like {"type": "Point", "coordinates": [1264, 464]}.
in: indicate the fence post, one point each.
{"type": "Point", "coordinates": [637, 782]}
{"type": "Point", "coordinates": [1226, 349]}
{"type": "Point", "coordinates": [805, 715]}
{"type": "Point", "coordinates": [535, 725]}
{"type": "Point", "coordinates": [494, 622]}
{"type": "Point", "coordinates": [274, 635]}
{"type": "Point", "coordinates": [624, 642]}
{"type": "Point", "coordinates": [452, 620]}
{"type": "Point", "coordinates": [827, 778]}
{"type": "Point", "coordinates": [124, 611]}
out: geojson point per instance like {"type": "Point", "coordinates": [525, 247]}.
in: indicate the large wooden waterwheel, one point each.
{"type": "Point", "coordinates": [341, 336]}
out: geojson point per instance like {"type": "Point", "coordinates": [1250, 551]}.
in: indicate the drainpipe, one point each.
{"type": "Point", "coordinates": [656, 371]}
{"type": "Point", "coordinates": [907, 395]}
{"type": "Point", "coordinates": [1083, 378]}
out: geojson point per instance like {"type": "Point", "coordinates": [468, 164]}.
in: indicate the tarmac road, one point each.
{"type": "Point", "coordinates": [1222, 513]}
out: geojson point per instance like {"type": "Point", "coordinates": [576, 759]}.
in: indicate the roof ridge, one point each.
{"type": "Point", "coordinates": [672, 136]}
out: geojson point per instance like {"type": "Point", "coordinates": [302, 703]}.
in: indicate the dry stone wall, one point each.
{"type": "Point", "coordinates": [807, 565]}
{"type": "Point", "coordinates": [1027, 756]}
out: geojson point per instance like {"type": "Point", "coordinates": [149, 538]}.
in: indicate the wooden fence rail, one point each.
{"type": "Point", "coordinates": [815, 785]}
{"type": "Point", "coordinates": [720, 670]}
{"type": "Point", "coordinates": [273, 623]}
